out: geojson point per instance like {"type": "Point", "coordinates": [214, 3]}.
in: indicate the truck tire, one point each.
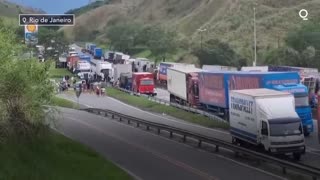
{"type": "Point", "coordinates": [297, 156]}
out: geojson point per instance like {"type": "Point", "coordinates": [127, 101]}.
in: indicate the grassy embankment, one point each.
{"type": "Point", "coordinates": [145, 104]}
{"type": "Point", "coordinates": [55, 157]}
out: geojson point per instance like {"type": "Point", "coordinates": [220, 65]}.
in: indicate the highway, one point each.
{"type": "Point", "coordinates": [312, 157]}
{"type": "Point", "coordinates": [150, 157]}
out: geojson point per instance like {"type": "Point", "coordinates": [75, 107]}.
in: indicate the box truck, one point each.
{"type": "Point", "coordinates": [121, 68]}
{"type": "Point", "coordinates": [266, 118]}
{"type": "Point", "coordinates": [72, 62]}
{"type": "Point", "coordinates": [97, 53]}
{"type": "Point", "coordinates": [162, 71]}
{"type": "Point", "coordinates": [126, 81]}
{"type": "Point", "coordinates": [101, 70]}
{"type": "Point", "coordinates": [83, 70]}
{"type": "Point", "coordinates": [183, 85]}
{"type": "Point", "coordinates": [143, 83]}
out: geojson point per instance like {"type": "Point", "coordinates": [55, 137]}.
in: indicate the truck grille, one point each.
{"type": "Point", "coordinates": [287, 143]}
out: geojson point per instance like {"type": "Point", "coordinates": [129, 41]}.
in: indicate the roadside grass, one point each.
{"type": "Point", "coordinates": [145, 104]}
{"type": "Point", "coordinates": [55, 157]}
{"type": "Point", "coordinates": [57, 101]}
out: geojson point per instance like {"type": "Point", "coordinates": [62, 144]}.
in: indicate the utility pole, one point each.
{"type": "Point", "coordinates": [201, 36]}
{"type": "Point", "coordinates": [255, 37]}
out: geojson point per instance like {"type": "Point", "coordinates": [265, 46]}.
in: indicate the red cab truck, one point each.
{"type": "Point", "coordinates": [143, 83]}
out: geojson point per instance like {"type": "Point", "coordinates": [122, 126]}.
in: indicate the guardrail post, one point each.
{"type": "Point", "coordinates": [217, 148]}
{"type": "Point", "coordinates": [171, 134]}
{"type": "Point", "coordinates": [112, 116]}
{"type": "Point", "coordinates": [158, 130]}
{"type": "Point", "coordinates": [148, 128]}
{"type": "Point", "coordinates": [128, 121]}
{"type": "Point", "coordinates": [138, 124]}
{"type": "Point", "coordinates": [199, 143]}
{"type": "Point", "coordinates": [284, 170]}
{"type": "Point", "coordinates": [106, 114]}
{"type": "Point", "coordinates": [184, 138]}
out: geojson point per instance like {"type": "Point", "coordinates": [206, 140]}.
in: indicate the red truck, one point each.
{"type": "Point", "coordinates": [72, 62]}
{"type": "Point", "coordinates": [143, 83]}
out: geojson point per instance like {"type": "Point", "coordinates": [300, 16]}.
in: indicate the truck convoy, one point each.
{"type": "Point", "coordinates": [183, 85]}
{"type": "Point", "coordinates": [214, 90]}
{"type": "Point", "coordinates": [101, 69]}
{"type": "Point", "coordinates": [143, 83]}
{"type": "Point", "coordinates": [266, 118]}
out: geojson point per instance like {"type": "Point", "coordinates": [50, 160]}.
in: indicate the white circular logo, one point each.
{"type": "Point", "coordinates": [303, 14]}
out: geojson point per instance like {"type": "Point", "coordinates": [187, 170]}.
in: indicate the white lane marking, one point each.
{"type": "Point", "coordinates": [156, 154]}
{"type": "Point", "coordinates": [220, 131]}
{"type": "Point", "coordinates": [217, 155]}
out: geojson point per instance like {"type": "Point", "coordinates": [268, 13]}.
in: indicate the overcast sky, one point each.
{"type": "Point", "coordinates": [53, 6]}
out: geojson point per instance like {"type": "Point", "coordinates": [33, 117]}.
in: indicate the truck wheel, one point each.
{"type": "Point", "coordinates": [297, 156]}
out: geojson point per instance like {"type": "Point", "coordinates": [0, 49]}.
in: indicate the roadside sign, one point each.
{"type": "Point", "coordinates": [31, 34]}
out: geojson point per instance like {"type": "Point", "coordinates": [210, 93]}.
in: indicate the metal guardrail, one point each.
{"type": "Point", "coordinates": [168, 103]}
{"type": "Point", "coordinates": [284, 164]}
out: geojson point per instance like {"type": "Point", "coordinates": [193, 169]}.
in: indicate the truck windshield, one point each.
{"type": "Point", "coordinates": [105, 71]}
{"type": "Point", "coordinates": [285, 129]}
{"type": "Point", "coordinates": [147, 82]}
{"type": "Point", "coordinates": [301, 100]}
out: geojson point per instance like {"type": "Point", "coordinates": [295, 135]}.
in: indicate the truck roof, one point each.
{"type": "Point", "coordinates": [245, 72]}
{"type": "Point", "coordinates": [186, 69]}
{"type": "Point", "coordinates": [138, 73]}
{"type": "Point", "coordinates": [260, 92]}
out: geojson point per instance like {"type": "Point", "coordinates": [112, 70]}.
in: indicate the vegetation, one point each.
{"type": "Point", "coordinates": [55, 157]}
{"type": "Point", "coordinates": [64, 103]}
{"type": "Point", "coordinates": [145, 104]}
{"type": "Point", "coordinates": [9, 9]}
{"type": "Point", "coordinates": [28, 148]}
{"type": "Point", "coordinates": [129, 38]}
{"type": "Point", "coordinates": [89, 7]}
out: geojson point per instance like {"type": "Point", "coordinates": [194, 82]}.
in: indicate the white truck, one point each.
{"type": "Point", "coordinates": [218, 68]}
{"type": "Point", "coordinates": [83, 70]}
{"type": "Point", "coordinates": [266, 118]}
{"type": "Point", "coordinates": [101, 69]}
{"type": "Point", "coordinates": [121, 68]}
{"type": "Point", "coordinates": [181, 85]}
{"type": "Point", "coordinates": [143, 65]}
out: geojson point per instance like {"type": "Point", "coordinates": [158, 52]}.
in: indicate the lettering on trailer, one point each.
{"type": "Point", "coordinates": [242, 105]}
{"type": "Point", "coordinates": [237, 82]}
{"type": "Point", "coordinates": [284, 81]}
{"type": "Point", "coordinates": [299, 90]}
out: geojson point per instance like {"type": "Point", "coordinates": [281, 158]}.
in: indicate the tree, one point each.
{"type": "Point", "coordinates": [217, 52]}
{"type": "Point", "coordinates": [24, 90]}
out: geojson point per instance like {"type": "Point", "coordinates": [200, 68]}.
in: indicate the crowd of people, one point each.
{"type": "Point", "coordinates": [86, 85]}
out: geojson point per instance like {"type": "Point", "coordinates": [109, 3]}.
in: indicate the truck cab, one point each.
{"type": "Point", "coordinates": [193, 89]}
{"type": "Point", "coordinates": [83, 70]}
{"type": "Point", "coordinates": [301, 96]}
{"type": "Point", "coordinates": [143, 83]}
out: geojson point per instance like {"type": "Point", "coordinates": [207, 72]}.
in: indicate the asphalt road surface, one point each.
{"type": "Point", "coordinates": [151, 157]}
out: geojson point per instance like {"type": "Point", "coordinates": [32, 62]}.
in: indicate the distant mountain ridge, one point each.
{"type": "Point", "coordinates": [10, 9]}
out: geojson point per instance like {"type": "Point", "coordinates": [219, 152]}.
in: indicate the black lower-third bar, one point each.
{"type": "Point", "coordinates": [47, 19]}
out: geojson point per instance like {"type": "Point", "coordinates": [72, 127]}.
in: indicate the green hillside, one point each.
{"type": "Point", "coordinates": [230, 21]}
{"type": "Point", "coordinates": [8, 9]}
